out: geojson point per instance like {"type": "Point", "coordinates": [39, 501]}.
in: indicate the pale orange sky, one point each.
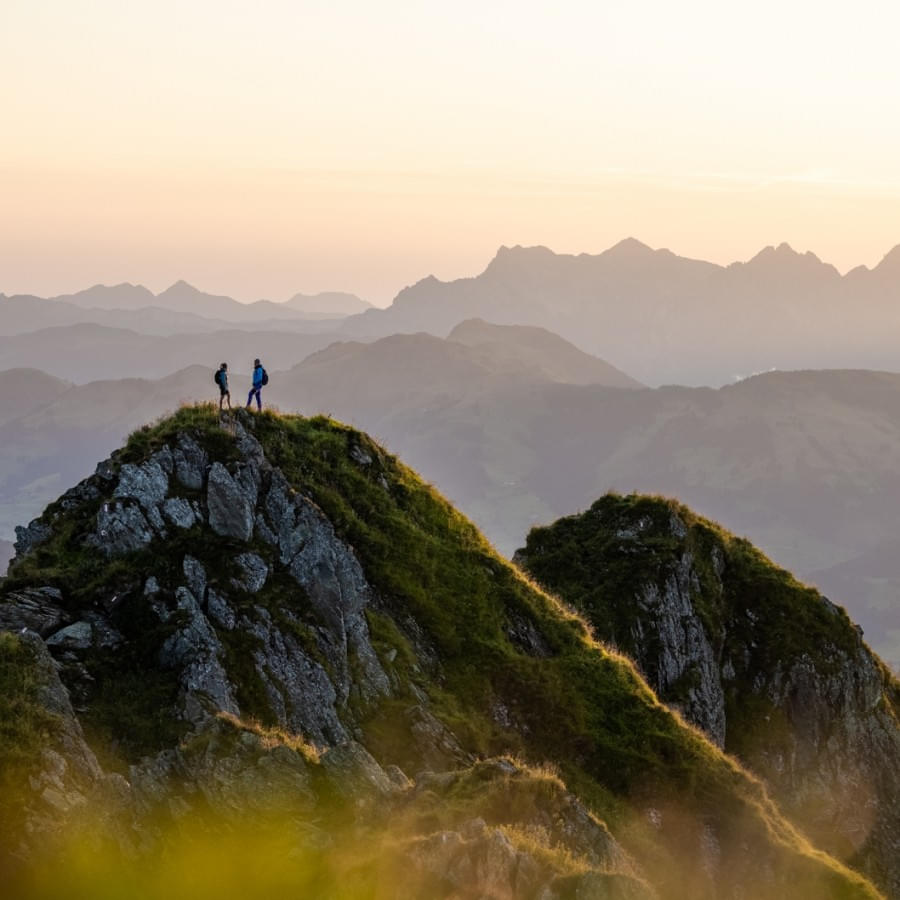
{"type": "Point", "coordinates": [264, 148]}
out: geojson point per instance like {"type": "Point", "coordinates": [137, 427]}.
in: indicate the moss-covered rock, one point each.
{"type": "Point", "coordinates": [770, 669]}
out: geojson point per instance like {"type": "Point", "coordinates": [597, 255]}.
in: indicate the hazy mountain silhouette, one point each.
{"type": "Point", "coordinates": [667, 319]}
{"type": "Point", "coordinates": [87, 352]}
{"type": "Point", "coordinates": [25, 390]}
{"type": "Point", "coordinates": [185, 298]}
{"type": "Point", "coordinates": [556, 358]}
{"type": "Point", "coordinates": [328, 303]}
{"type": "Point", "coordinates": [419, 371]}
{"type": "Point", "coordinates": [181, 308]}
{"type": "Point", "coordinates": [23, 314]}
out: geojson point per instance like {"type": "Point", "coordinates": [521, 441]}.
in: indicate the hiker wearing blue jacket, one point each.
{"type": "Point", "coordinates": [260, 378]}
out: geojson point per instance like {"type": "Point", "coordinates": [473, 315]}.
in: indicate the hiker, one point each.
{"type": "Point", "coordinates": [221, 379]}
{"type": "Point", "coordinates": [260, 378]}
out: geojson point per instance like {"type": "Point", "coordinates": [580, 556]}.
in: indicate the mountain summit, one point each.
{"type": "Point", "coordinates": [767, 667]}
{"type": "Point", "coordinates": [266, 625]}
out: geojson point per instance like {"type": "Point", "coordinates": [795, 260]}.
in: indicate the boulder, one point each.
{"type": "Point", "coordinates": [255, 572]}
{"type": "Point", "coordinates": [146, 483]}
{"type": "Point", "coordinates": [36, 609]}
{"type": "Point", "coordinates": [77, 636]}
{"type": "Point", "coordinates": [179, 512]}
{"type": "Point", "coordinates": [191, 462]}
{"type": "Point", "coordinates": [230, 510]}
{"type": "Point", "coordinates": [121, 528]}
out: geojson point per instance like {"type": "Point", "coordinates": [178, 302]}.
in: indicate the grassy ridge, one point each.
{"type": "Point", "coordinates": [579, 705]}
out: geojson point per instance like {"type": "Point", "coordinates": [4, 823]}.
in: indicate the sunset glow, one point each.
{"type": "Point", "coordinates": [261, 149]}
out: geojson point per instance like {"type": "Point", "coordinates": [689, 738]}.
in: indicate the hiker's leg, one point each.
{"type": "Point", "coordinates": [249, 398]}
{"type": "Point", "coordinates": [259, 399]}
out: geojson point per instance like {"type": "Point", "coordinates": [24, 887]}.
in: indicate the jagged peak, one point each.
{"type": "Point", "coordinates": [629, 248]}
{"type": "Point", "coordinates": [890, 262]}
{"type": "Point", "coordinates": [180, 287]}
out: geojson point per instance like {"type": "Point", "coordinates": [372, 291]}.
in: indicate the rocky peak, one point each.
{"type": "Point", "coordinates": [767, 667]}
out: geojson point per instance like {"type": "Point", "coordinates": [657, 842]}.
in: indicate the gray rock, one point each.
{"type": "Point", "coordinates": [179, 512]}
{"type": "Point", "coordinates": [195, 575]}
{"type": "Point", "coordinates": [151, 586]}
{"type": "Point", "coordinates": [154, 517]}
{"type": "Point", "coordinates": [255, 572]}
{"type": "Point", "coordinates": [82, 493]}
{"type": "Point", "coordinates": [264, 532]}
{"type": "Point", "coordinates": [218, 608]}
{"type": "Point", "coordinates": [360, 456]}
{"type": "Point", "coordinates": [37, 609]}
{"type": "Point", "coordinates": [685, 650]}
{"type": "Point", "coordinates": [63, 773]}
{"type": "Point", "coordinates": [77, 636]}
{"type": "Point", "coordinates": [191, 462]}
{"type": "Point", "coordinates": [146, 483]}
{"type": "Point", "coordinates": [337, 589]}
{"type": "Point", "coordinates": [230, 511]}
{"type": "Point", "coordinates": [355, 768]}
{"type": "Point", "coordinates": [30, 536]}
{"type": "Point", "coordinates": [121, 528]}
{"type": "Point", "coordinates": [195, 651]}
{"type": "Point", "coordinates": [105, 470]}
{"type": "Point", "coordinates": [164, 459]}
{"type": "Point", "coordinates": [300, 692]}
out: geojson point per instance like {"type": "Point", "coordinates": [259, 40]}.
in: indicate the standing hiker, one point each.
{"type": "Point", "coordinates": [221, 379]}
{"type": "Point", "coordinates": [260, 378]}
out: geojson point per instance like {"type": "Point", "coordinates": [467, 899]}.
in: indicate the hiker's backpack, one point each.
{"type": "Point", "coordinates": [265, 378]}
{"type": "Point", "coordinates": [217, 378]}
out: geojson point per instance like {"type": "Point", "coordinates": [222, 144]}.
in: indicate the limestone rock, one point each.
{"type": "Point", "coordinates": [179, 512]}
{"type": "Point", "coordinates": [255, 570]}
{"type": "Point", "coordinates": [36, 609]}
{"type": "Point", "coordinates": [146, 483]}
{"type": "Point", "coordinates": [121, 528]}
{"type": "Point", "coordinates": [230, 511]}
{"type": "Point", "coordinates": [190, 461]}
{"type": "Point", "coordinates": [30, 536]}
{"type": "Point", "coordinates": [77, 636]}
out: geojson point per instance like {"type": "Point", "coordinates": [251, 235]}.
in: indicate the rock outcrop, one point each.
{"type": "Point", "coordinates": [768, 668]}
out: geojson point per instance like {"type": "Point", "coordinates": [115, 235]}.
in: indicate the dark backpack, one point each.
{"type": "Point", "coordinates": [217, 378]}
{"type": "Point", "coordinates": [265, 379]}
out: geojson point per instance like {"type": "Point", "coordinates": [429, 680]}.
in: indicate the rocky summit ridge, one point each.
{"type": "Point", "coordinates": [767, 667]}
{"type": "Point", "coordinates": [262, 639]}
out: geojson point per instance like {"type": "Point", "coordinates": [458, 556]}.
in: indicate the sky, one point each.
{"type": "Point", "coordinates": [260, 149]}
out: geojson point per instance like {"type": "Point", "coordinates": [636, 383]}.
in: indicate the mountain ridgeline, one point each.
{"type": "Point", "coordinates": [667, 319]}
{"type": "Point", "coordinates": [264, 646]}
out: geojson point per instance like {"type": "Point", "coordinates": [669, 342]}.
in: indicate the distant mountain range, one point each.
{"type": "Point", "coordinates": [662, 318]}
{"type": "Point", "coordinates": [667, 319]}
{"type": "Point", "coordinates": [180, 309]}
{"type": "Point", "coordinates": [87, 352]}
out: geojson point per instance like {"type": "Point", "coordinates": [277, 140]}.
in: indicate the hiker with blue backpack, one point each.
{"type": "Point", "coordinates": [260, 379]}
{"type": "Point", "coordinates": [221, 379]}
